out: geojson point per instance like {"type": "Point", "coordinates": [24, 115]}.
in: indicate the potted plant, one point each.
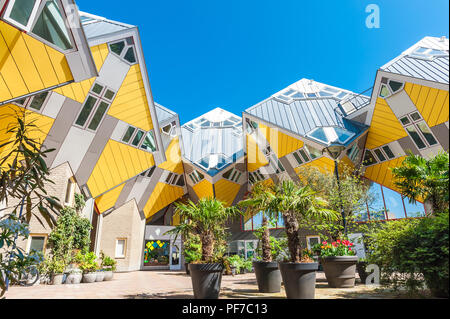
{"type": "Point", "coordinates": [74, 276]}
{"type": "Point", "coordinates": [192, 250]}
{"type": "Point", "coordinates": [88, 265]}
{"type": "Point", "coordinates": [108, 265]}
{"type": "Point", "coordinates": [298, 205]}
{"type": "Point", "coordinates": [267, 272]}
{"type": "Point", "coordinates": [207, 220]}
{"type": "Point", "coordinates": [235, 263]}
{"type": "Point", "coordinates": [56, 268]}
{"type": "Point", "coordinates": [339, 262]}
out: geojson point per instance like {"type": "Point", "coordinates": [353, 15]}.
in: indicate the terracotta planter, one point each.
{"type": "Point", "coordinates": [108, 275]}
{"type": "Point", "coordinates": [89, 277]}
{"type": "Point", "coordinates": [206, 280]}
{"type": "Point", "coordinates": [268, 276]}
{"type": "Point", "coordinates": [299, 279]}
{"type": "Point", "coordinates": [340, 270]}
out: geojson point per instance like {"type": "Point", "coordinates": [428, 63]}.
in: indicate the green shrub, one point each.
{"type": "Point", "coordinates": [87, 261]}
{"type": "Point", "coordinates": [107, 262]}
{"type": "Point", "coordinates": [192, 249]}
{"type": "Point", "coordinates": [411, 252]}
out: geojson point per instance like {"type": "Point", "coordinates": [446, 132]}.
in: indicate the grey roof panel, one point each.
{"type": "Point", "coordinates": [163, 113]}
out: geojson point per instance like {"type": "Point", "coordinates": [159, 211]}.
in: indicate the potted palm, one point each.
{"type": "Point", "coordinates": [267, 273]}
{"type": "Point", "coordinates": [339, 263]}
{"type": "Point", "coordinates": [192, 250]}
{"type": "Point", "coordinates": [298, 205]}
{"type": "Point", "coordinates": [207, 220]}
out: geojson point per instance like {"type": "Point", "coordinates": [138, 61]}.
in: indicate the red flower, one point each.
{"type": "Point", "coordinates": [334, 244]}
{"type": "Point", "coordinates": [324, 242]}
{"type": "Point", "coordinates": [339, 241]}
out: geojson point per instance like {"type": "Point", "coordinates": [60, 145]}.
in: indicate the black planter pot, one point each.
{"type": "Point", "coordinates": [206, 280]}
{"type": "Point", "coordinates": [340, 271]}
{"type": "Point", "coordinates": [186, 265]}
{"type": "Point", "coordinates": [268, 276]}
{"type": "Point", "coordinates": [361, 268]}
{"type": "Point", "coordinates": [299, 279]}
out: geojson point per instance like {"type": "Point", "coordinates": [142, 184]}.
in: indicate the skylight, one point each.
{"type": "Point", "coordinates": [328, 135]}
{"type": "Point", "coordinates": [427, 53]}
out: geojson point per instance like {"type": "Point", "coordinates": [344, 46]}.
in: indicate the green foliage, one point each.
{"type": "Point", "coordinates": [206, 219]}
{"type": "Point", "coordinates": [278, 246]}
{"type": "Point", "coordinates": [427, 179]}
{"type": "Point", "coordinates": [87, 261]}
{"type": "Point", "coordinates": [55, 266]}
{"type": "Point", "coordinates": [240, 263]}
{"type": "Point", "coordinates": [107, 263]}
{"type": "Point", "coordinates": [192, 249]}
{"type": "Point", "coordinates": [355, 194]}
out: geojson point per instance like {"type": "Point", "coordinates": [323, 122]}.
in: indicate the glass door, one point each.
{"type": "Point", "coordinates": [175, 262]}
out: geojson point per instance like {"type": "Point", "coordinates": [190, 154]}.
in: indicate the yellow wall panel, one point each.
{"type": "Point", "coordinates": [8, 117]}
{"type": "Point", "coordinates": [226, 191]}
{"type": "Point", "coordinates": [324, 164]}
{"type": "Point", "coordinates": [4, 90]}
{"type": "Point", "coordinates": [282, 143]}
{"type": "Point", "coordinates": [109, 170]}
{"type": "Point", "coordinates": [107, 200]}
{"type": "Point", "coordinates": [382, 174]}
{"type": "Point", "coordinates": [439, 113]}
{"type": "Point", "coordinates": [130, 104]}
{"type": "Point", "coordinates": [204, 189]}
{"type": "Point", "coordinates": [99, 53]}
{"type": "Point", "coordinates": [173, 156]}
{"type": "Point", "coordinates": [162, 195]}
{"type": "Point", "coordinates": [255, 158]}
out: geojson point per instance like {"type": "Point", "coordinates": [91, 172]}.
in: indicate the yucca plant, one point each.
{"type": "Point", "coordinates": [298, 204]}
{"type": "Point", "coordinates": [259, 200]}
{"type": "Point", "coordinates": [207, 219]}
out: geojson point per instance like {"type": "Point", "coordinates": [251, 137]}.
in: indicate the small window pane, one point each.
{"type": "Point", "coordinates": [21, 11]}
{"type": "Point", "coordinates": [384, 91]}
{"type": "Point", "coordinates": [405, 120]}
{"type": "Point", "coordinates": [37, 243]}
{"type": "Point", "coordinates": [117, 48]}
{"type": "Point", "coordinates": [21, 101]}
{"type": "Point", "coordinates": [380, 155]}
{"type": "Point", "coordinates": [128, 134]}
{"type": "Point", "coordinates": [180, 181]}
{"type": "Point", "coordinates": [120, 248]}
{"type": "Point", "coordinates": [86, 111]}
{"type": "Point", "coordinates": [415, 136]}
{"type": "Point", "coordinates": [413, 210]}
{"type": "Point", "coordinates": [395, 86]}
{"type": "Point", "coordinates": [169, 177]}
{"type": "Point", "coordinates": [376, 205]}
{"type": "Point", "coordinates": [150, 171]}
{"type": "Point", "coordinates": [369, 159]}
{"type": "Point", "coordinates": [427, 133]}
{"type": "Point", "coordinates": [388, 152]}
{"type": "Point", "coordinates": [415, 116]}
{"type": "Point", "coordinates": [138, 138]}
{"type": "Point", "coordinates": [394, 204]}
{"type": "Point", "coordinates": [313, 152]}
{"type": "Point", "coordinates": [51, 27]}
{"type": "Point", "coordinates": [101, 110]}
{"type": "Point", "coordinates": [303, 154]}
{"type": "Point", "coordinates": [227, 174]}
{"type": "Point", "coordinates": [38, 101]}
{"type": "Point", "coordinates": [97, 88]}
{"type": "Point", "coordinates": [109, 94]}
{"type": "Point", "coordinates": [129, 56]}
{"type": "Point", "coordinates": [149, 142]}
{"type": "Point", "coordinates": [297, 158]}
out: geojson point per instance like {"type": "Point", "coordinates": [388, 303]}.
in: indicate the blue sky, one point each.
{"type": "Point", "coordinates": [235, 53]}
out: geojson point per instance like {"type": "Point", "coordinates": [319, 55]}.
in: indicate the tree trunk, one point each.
{"type": "Point", "coordinates": [265, 242]}
{"type": "Point", "coordinates": [207, 246]}
{"type": "Point", "coordinates": [291, 226]}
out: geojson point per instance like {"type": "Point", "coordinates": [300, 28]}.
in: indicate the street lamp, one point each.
{"type": "Point", "coordinates": [335, 150]}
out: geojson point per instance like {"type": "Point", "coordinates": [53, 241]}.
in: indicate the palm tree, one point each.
{"type": "Point", "coordinates": [298, 204]}
{"type": "Point", "coordinates": [259, 201]}
{"type": "Point", "coordinates": [427, 179]}
{"type": "Point", "coordinates": [207, 220]}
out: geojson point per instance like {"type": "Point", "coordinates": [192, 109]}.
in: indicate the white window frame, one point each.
{"type": "Point", "coordinates": [373, 156]}
{"type": "Point", "coordinates": [31, 20]}
{"type": "Point", "coordinates": [100, 97]}
{"type": "Point", "coordinates": [419, 131]}
{"type": "Point", "coordinates": [235, 175]}
{"type": "Point", "coordinates": [258, 174]}
{"type": "Point", "coordinates": [29, 100]}
{"type": "Point", "coordinates": [354, 152]}
{"type": "Point", "coordinates": [308, 245]}
{"type": "Point", "coordinates": [124, 248]}
{"type": "Point", "coordinates": [195, 177]}
{"type": "Point", "coordinates": [124, 51]}
{"type": "Point", "coordinates": [30, 238]}
{"type": "Point", "coordinates": [387, 85]}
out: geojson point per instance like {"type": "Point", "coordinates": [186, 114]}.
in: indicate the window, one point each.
{"type": "Point", "coordinates": [369, 159]}
{"type": "Point", "coordinates": [306, 154]}
{"type": "Point", "coordinates": [148, 173]}
{"type": "Point", "coordinates": [255, 176]}
{"type": "Point", "coordinates": [149, 143]}
{"type": "Point", "coordinates": [255, 222]}
{"type": "Point", "coordinates": [35, 102]}
{"type": "Point", "coordinates": [313, 152]}
{"type": "Point", "coordinates": [128, 134]}
{"type": "Point", "coordinates": [418, 130]}
{"type": "Point", "coordinates": [311, 241]}
{"type": "Point", "coordinates": [70, 189]}
{"type": "Point", "coordinates": [95, 107]}
{"type": "Point", "coordinates": [353, 152]}
{"type": "Point", "coordinates": [196, 177]}
{"type": "Point", "coordinates": [125, 50]}
{"type": "Point", "coordinates": [140, 139]}
{"type": "Point", "coordinates": [427, 53]}
{"type": "Point", "coordinates": [233, 175]}
{"type": "Point", "coordinates": [379, 155]}
{"type": "Point", "coordinates": [250, 126]}
{"type": "Point", "coordinates": [21, 13]}
{"type": "Point", "coordinates": [170, 129]}
{"type": "Point", "coordinates": [37, 243]}
{"type": "Point", "coordinates": [50, 26]}
{"type": "Point", "coordinates": [121, 246]}
{"type": "Point", "coordinates": [390, 87]}
{"type": "Point", "coordinates": [328, 135]}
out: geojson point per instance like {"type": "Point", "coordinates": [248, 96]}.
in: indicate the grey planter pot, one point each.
{"type": "Point", "coordinates": [57, 279]}
{"type": "Point", "coordinates": [299, 279]}
{"type": "Point", "coordinates": [186, 265]}
{"type": "Point", "coordinates": [100, 276]}
{"type": "Point", "coordinates": [73, 279]}
{"type": "Point", "coordinates": [108, 275]}
{"type": "Point", "coordinates": [89, 277]}
{"type": "Point", "coordinates": [268, 276]}
{"type": "Point", "coordinates": [206, 280]}
{"type": "Point", "coordinates": [340, 271]}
